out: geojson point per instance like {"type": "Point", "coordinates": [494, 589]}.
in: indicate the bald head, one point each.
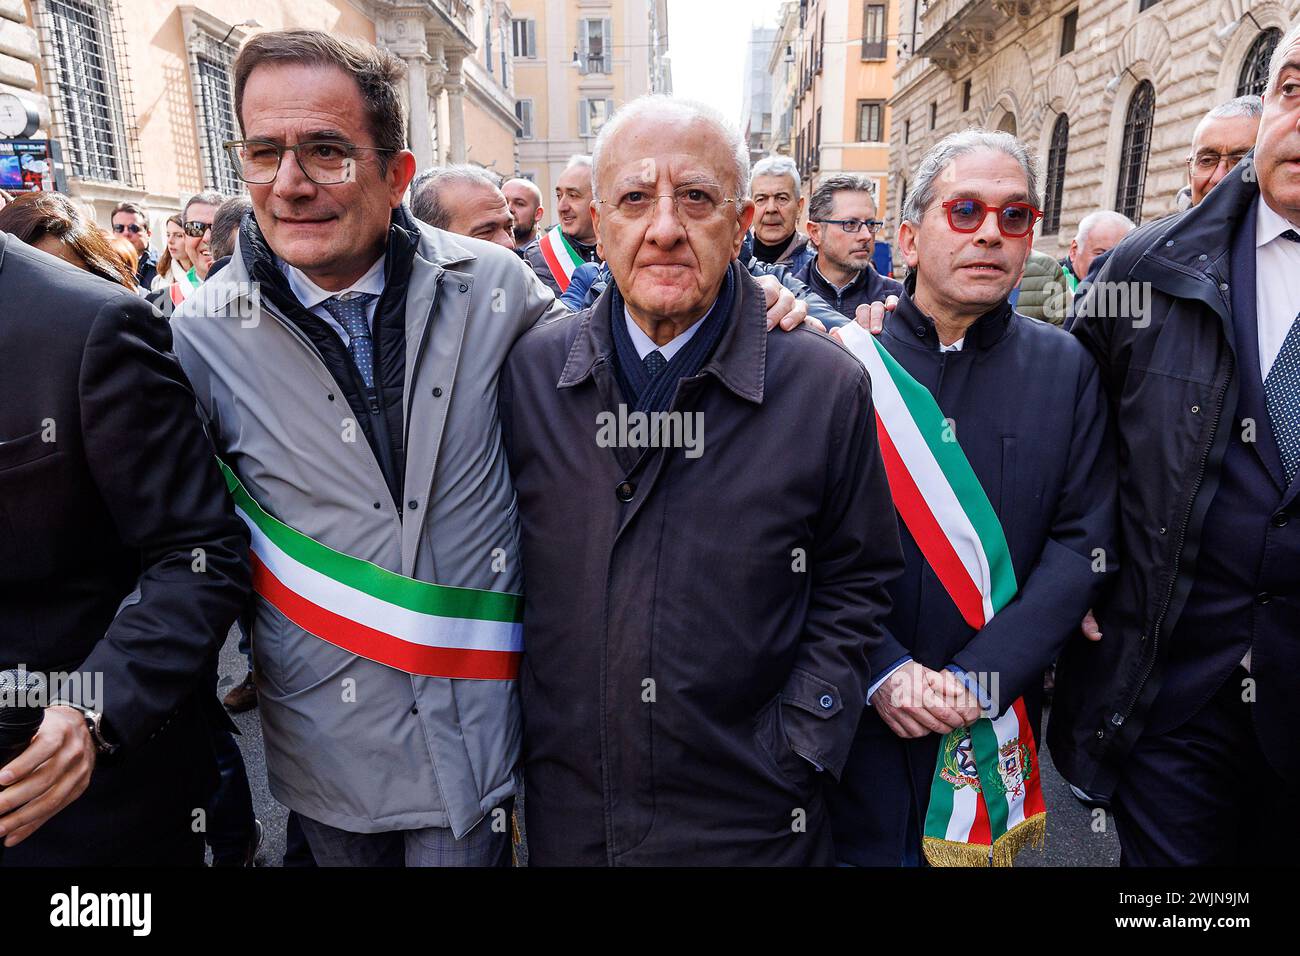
{"type": "Point", "coordinates": [465, 200]}
{"type": "Point", "coordinates": [525, 199]}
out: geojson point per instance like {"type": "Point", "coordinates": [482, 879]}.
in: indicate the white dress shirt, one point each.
{"type": "Point", "coordinates": [310, 295]}
{"type": "Point", "coordinates": [1277, 293]}
{"type": "Point", "coordinates": [645, 345]}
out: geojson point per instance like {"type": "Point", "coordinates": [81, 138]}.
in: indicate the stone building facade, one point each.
{"type": "Point", "coordinates": [1107, 93]}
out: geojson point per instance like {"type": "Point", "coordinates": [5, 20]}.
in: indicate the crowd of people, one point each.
{"type": "Point", "coordinates": [709, 539]}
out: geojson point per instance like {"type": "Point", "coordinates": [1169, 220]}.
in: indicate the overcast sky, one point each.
{"type": "Point", "coordinates": [707, 40]}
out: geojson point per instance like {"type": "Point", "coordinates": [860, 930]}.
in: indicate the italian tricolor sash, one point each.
{"type": "Point", "coordinates": [986, 798]}
{"type": "Point", "coordinates": [560, 257]}
{"type": "Point", "coordinates": [414, 626]}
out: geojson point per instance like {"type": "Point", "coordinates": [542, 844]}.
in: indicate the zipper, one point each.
{"type": "Point", "coordinates": [1178, 552]}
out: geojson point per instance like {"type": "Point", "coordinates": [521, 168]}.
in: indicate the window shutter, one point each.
{"type": "Point", "coordinates": [607, 45]}
{"type": "Point", "coordinates": [584, 45]}
{"type": "Point", "coordinates": [530, 41]}
{"type": "Point", "coordinates": [584, 124]}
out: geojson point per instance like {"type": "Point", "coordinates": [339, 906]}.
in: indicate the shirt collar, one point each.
{"type": "Point", "coordinates": [645, 345]}
{"type": "Point", "coordinates": [1269, 225]}
{"type": "Point", "coordinates": [311, 295]}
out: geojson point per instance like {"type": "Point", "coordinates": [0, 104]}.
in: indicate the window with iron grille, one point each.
{"type": "Point", "coordinates": [1056, 156]}
{"type": "Point", "coordinates": [1135, 151]}
{"type": "Point", "coordinates": [524, 110]}
{"type": "Point", "coordinates": [1069, 27]}
{"type": "Point", "coordinates": [965, 96]}
{"type": "Point", "coordinates": [524, 34]}
{"type": "Point", "coordinates": [934, 115]}
{"type": "Point", "coordinates": [594, 46]}
{"type": "Point", "coordinates": [81, 62]}
{"type": "Point", "coordinates": [1253, 78]}
{"type": "Point", "coordinates": [873, 31]}
{"type": "Point", "coordinates": [871, 121]}
{"type": "Point", "coordinates": [216, 114]}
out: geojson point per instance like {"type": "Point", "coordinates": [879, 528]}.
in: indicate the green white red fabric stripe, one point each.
{"type": "Point", "coordinates": [986, 797]}
{"type": "Point", "coordinates": [415, 626]}
{"type": "Point", "coordinates": [561, 258]}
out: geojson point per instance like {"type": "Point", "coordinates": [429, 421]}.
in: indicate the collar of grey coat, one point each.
{"type": "Point", "coordinates": [910, 325]}
{"type": "Point", "coordinates": [738, 362]}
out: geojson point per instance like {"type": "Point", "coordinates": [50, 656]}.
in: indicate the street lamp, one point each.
{"type": "Point", "coordinates": [246, 23]}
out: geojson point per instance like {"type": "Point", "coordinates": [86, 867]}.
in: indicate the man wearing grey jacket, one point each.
{"type": "Point", "coordinates": [346, 362]}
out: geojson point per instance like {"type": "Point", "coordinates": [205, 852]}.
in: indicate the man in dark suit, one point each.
{"type": "Point", "coordinates": [122, 566]}
{"type": "Point", "coordinates": [1183, 712]}
{"type": "Point", "coordinates": [1043, 460]}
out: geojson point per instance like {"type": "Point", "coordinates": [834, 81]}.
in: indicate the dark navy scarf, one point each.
{"type": "Point", "coordinates": [648, 394]}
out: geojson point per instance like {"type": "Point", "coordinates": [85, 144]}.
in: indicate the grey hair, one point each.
{"type": "Point", "coordinates": [1241, 106]}
{"type": "Point", "coordinates": [777, 165]}
{"type": "Point", "coordinates": [1279, 53]}
{"type": "Point", "coordinates": [531, 186]}
{"type": "Point", "coordinates": [823, 197]}
{"type": "Point", "coordinates": [426, 190]}
{"type": "Point", "coordinates": [942, 154]}
{"type": "Point", "coordinates": [577, 159]}
{"type": "Point", "coordinates": [657, 104]}
{"type": "Point", "coordinates": [209, 197]}
{"type": "Point", "coordinates": [225, 225]}
{"type": "Point", "coordinates": [1100, 217]}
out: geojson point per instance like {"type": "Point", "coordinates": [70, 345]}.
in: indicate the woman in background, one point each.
{"type": "Point", "coordinates": [51, 223]}
{"type": "Point", "coordinates": [173, 264]}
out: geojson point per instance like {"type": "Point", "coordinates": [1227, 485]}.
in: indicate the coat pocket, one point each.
{"type": "Point", "coordinates": [774, 745]}
{"type": "Point", "coordinates": [24, 450]}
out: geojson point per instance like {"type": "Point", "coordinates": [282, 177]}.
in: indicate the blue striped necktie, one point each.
{"type": "Point", "coordinates": [1282, 391]}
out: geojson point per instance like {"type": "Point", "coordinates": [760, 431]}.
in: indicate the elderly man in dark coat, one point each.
{"type": "Point", "coordinates": [704, 528]}
{"type": "Point", "coordinates": [1023, 402]}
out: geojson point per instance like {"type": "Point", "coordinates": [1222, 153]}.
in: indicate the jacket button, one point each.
{"type": "Point", "coordinates": [415, 710]}
{"type": "Point", "coordinates": [827, 701]}
{"type": "Point", "coordinates": [1101, 735]}
{"type": "Point", "coordinates": [1223, 287]}
{"type": "Point", "coordinates": [1117, 719]}
{"type": "Point", "coordinates": [330, 396]}
{"type": "Point", "coordinates": [920, 330]}
{"type": "Point", "coordinates": [1280, 519]}
{"type": "Point", "coordinates": [1263, 598]}
{"type": "Point", "coordinates": [1196, 409]}
{"type": "Point", "coordinates": [1202, 257]}
{"type": "Point", "coordinates": [464, 287]}
{"type": "Point", "coordinates": [1164, 530]}
{"type": "Point", "coordinates": [625, 491]}
{"type": "Point", "coordinates": [412, 504]}
{"type": "Point", "coordinates": [1169, 243]}
{"type": "Point", "coordinates": [437, 392]}
{"type": "Point", "coordinates": [377, 505]}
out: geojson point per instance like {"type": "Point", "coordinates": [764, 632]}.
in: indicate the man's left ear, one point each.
{"type": "Point", "coordinates": [401, 170]}
{"type": "Point", "coordinates": [744, 219]}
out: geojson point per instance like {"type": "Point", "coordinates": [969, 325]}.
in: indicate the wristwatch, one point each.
{"type": "Point", "coordinates": [94, 724]}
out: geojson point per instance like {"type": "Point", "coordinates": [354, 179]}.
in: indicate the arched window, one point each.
{"type": "Point", "coordinates": [1133, 154]}
{"type": "Point", "coordinates": [1253, 78]}
{"type": "Point", "coordinates": [1007, 124]}
{"type": "Point", "coordinates": [1056, 154]}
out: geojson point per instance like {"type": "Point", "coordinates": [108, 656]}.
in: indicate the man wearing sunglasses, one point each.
{"type": "Point", "coordinates": [131, 221]}
{"type": "Point", "coordinates": [842, 224]}
{"type": "Point", "coordinates": [196, 224]}
{"type": "Point", "coordinates": [1022, 401]}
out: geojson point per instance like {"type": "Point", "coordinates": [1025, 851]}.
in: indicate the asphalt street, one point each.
{"type": "Point", "coordinates": [1076, 835]}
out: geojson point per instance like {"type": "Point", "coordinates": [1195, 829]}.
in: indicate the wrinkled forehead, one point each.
{"type": "Point", "coordinates": [988, 175]}
{"type": "Point", "coordinates": [770, 183]}
{"type": "Point", "coordinates": [659, 151]}
{"type": "Point", "coordinates": [1225, 134]}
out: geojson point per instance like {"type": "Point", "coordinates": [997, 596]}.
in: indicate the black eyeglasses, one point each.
{"type": "Point", "coordinates": [325, 162]}
{"type": "Point", "coordinates": [854, 225]}
{"type": "Point", "coordinates": [195, 229]}
{"type": "Point", "coordinates": [132, 228]}
{"type": "Point", "coordinates": [1015, 219]}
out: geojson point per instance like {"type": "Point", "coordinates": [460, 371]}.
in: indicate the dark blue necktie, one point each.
{"type": "Point", "coordinates": [1282, 390]}
{"type": "Point", "coordinates": [350, 312]}
{"type": "Point", "coordinates": [654, 363]}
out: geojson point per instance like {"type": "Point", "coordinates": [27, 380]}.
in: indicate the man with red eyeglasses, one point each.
{"type": "Point", "coordinates": [1010, 480]}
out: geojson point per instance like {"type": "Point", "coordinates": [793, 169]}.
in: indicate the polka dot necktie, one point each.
{"type": "Point", "coordinates": [350, 312]}
{"type": "Point", "coordinates": [654, 363]}
{"type": "Point", "coordinates": [1282, 389]}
